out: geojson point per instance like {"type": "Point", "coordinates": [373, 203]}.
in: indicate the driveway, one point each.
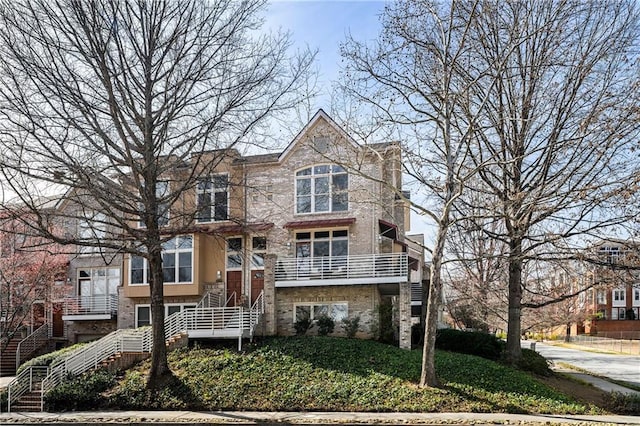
{"type": "Point", "coordinates": [618, 367]}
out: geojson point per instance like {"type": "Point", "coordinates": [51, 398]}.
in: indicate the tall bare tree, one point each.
{"type": "Point", "coordinates": [109, 100]}
{"type": "Point", "coordinates": [412, 81]}
{"type": "Point", "coordinates": [559, 125]}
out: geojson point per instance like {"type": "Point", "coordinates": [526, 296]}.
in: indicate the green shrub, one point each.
{"type": "Point", "coordinates": [302, 326]}
{"type": "Point", "coordinates": [3, 401]}
{"type": "Point", "coordinates": [80, 393]}
{"type": "Point", "coordinates": [385, 327]}
{"type": "Point", "coordinates": [469, 342]}
{"type": "Point", "coordinates": [49, 358]}
{"type": "Point", "coordinates": [621, 403]}
{"type": "Point", "coordinates": [534, 362]}
{"type": "Point", "coordinates": [350, 326]}
{"type": "Point", "coordinates": [326, 324]}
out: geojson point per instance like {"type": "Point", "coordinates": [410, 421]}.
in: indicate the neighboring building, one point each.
{"type": "Point", "coordinates": [614, 301]}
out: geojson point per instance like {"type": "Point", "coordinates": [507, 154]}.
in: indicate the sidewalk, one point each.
{"type": "Point", "coordinates": [183, 418]}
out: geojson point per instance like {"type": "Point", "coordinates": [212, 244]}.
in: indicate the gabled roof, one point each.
{"type": "Point", "coordinates": [320, 115]}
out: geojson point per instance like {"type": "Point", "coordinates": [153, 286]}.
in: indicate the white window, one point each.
{"type": "Point", "coordinates": [322, 188]}
{"type": "Point", "coordinates": [91, 230]}
{"type": "Point", "coordinates": [212, 199]}
{"type": "Point", "coordinates": [612, 254]}
{"type": "Point", "coordinates": [177, 260]}
{"type": "Point", "coordinates": [619, 295]}
{"type": "Point", "coordinates": [177, 263]}
{"type": "Point", "coordinates": [259, 249]}
{"type": "Point", "coordinates": [143, 315]}
{"type": "Point", "coordinates": [636, 296]}
{"type": "Point", "coordinates": [172, 308]}
{"type": "Point", "coordinates": [601, 297]}
{"type": "Point", "coordinates": [98, 281]}
{"type": "Point", "coordinates": [162, 191]}
{"type": "Point", "coordinates": [335, 310]}
{"type": "Point", "coordinates": [143, 312]}
{"type": "Point", "coordinates": [234, 253]}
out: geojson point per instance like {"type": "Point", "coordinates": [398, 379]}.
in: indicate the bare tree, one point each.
{"type": "Point", "coordinates": [559, 125]}
{"type": "Point", "coordinates": [117, 102]}
{"type": "Point", "coordinates": [412, 81]}
{"type": "Point", "coordinates": [477, 269]}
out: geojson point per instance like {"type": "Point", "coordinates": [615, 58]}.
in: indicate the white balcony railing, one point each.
{"type": "Point", "coordinates": [91, 305]}
{"type": "Point", "coordinates": [372, 268]}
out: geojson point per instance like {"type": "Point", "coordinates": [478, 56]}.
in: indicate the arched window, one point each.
{"type": "Point", "coordinates": [322, 188]}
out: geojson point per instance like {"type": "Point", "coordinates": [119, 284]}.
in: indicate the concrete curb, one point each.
{"type": "Point", "coordinates": [182, 418]}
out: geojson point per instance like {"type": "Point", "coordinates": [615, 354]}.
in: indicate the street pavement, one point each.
{"type": "Point", "coordinates": [624, 368]}
{"type": "Point", "coordinates": [182, 418]}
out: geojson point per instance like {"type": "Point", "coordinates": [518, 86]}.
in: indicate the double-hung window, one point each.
{"type": "Point", "coordinates": [212, 199]}
{"type": "Point", "coordinates": [619, 296]}
{"type": "Point", "coordinates": [322, 188]}
{"type": "Point", "coordinates": [177, 255]}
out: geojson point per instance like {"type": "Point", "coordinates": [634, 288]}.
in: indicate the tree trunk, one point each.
{"type": "Point", "coordinates": [514, 327]}
{"type": "Point", "coordinates": [428, 376]}
{"type": "Point", "coordinates": [159, 366]}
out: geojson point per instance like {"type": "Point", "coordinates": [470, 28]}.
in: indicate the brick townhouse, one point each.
{"type": "Point", "coordinates": [317, 229]}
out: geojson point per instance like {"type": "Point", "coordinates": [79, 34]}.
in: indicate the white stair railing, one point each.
{"type": "Point", "coordinates": [32, 343]}
{"type": "Point", "coordinates": [25, 382]}
{"type": "Point", "coordinates": [139, 340]}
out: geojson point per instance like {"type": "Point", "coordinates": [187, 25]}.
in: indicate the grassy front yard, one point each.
{"type": "Point", "coordinates": [322, 374]}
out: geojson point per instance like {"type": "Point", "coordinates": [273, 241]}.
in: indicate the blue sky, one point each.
{"type": "Point", "coordinates": [323, 25]}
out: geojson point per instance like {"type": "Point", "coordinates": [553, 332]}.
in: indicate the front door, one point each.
{"type": "Point", "coordinates": [58, 323]}
{"type": "Point", "coordinates": [234, 285]}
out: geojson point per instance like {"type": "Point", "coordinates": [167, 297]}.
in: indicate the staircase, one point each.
{"type": "Point", "coordinates": [19, 350]}
{"type": "Point", "coordinates": [118, 348]}
{"type": "Point", "coordinates": [8, 358]}
{"type": "Point", "coordinates": [25, 391]}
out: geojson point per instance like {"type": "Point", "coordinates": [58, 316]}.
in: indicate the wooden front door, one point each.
{"type": "Point", "coordinates": [257, 284]}
{"type": "Point", "coordinates": [58, 323]}
{"type": "Point", "coordinates": [234, 284]}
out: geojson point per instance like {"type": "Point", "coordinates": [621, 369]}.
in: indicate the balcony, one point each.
{"type": "Point", "coordinates": [390, 268]}
{"type": "Point", "coordinates": [90, 308]}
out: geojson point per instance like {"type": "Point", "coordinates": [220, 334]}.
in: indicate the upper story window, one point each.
{"type": "Point", "coordinates": [619, 295]}
{"type": "Point", "coordinates": [212, 199]}
{"type": "Point", "coordinates": [322, 188]}
{"type": "Point", "coordinates": [98, 281]}
{"type": "Point", "coordinates": [162, 191]}
{"type": "Point", "coordinates": [322, 243]}
{"type": "Point", "coordinates": [601, 297]}
{"type": "Point", "coordinates": [612, 254]}
{"type": "Point", "coordinates": [91, 230]}
{"type": "Point", "coordinates": [177, 263]}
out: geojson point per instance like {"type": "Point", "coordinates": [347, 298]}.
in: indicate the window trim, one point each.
{"type": "Point", "coordinates": [239, 253]}
{"type": "Point", "coordinates": [312, 184]}
{"type": "Point", "coordinates": [91, 270]}
{"type": "Point", "coordinates": [212, 191]}
{"type": "Point", "coordinates": [318, 303]}
{"type": "Point", "coordinates": [145, 265]}
{"type": "Point", "coordinates": [137, 307]}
